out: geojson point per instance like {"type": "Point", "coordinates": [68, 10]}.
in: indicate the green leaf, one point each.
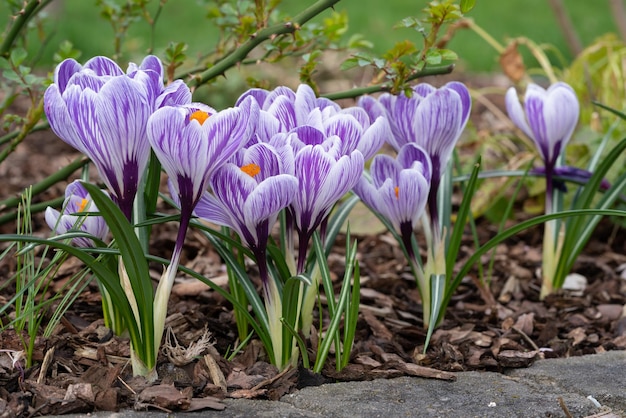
{"type": "Point", "coordinates": [437, 292]}
{"type": "Point", "coordinates": [467, 5]}
{"type": "Point", "coordinates": [136, 266]}
{"type": "Point", "coordinates": [462, 215]}
{"type": "Point", "coordinates": [17, 57]}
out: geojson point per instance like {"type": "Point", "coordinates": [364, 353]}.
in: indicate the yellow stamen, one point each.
{"type": "Point", "coordinates": [397, 192]}
{"type": "Point", "coordinates": [199, 115]}
{"type": "Point", "coordinates": [251, 169]}
{"type": "Point", "coordinates": [82, 205]}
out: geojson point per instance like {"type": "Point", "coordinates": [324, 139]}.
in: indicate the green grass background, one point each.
{"type": "Point", "coordinates": [184, 20]}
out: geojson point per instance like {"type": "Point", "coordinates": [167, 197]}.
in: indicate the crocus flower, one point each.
{"type": "Point", "coordinates": [192, 142]}
{"type": "Point", "coordinates": [433, 119]}
{"type": "Point", "coordinates": [77, 200]}
{"type": "Point", "coordinates": [248, 193]}
{"type": "Point", "coordinates": [284, 110]}
{"type": "Point", "coordinates": [324, 174]}
{"type": "Point", "coordinates": [102, 111]}
{"type": "Point", "coordinates": [548, 117]}
{"type": "Point", "coordinates": [399, 188]}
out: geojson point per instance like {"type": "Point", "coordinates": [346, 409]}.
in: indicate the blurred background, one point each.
{"type": "Point", "coordinates": [79, 22]}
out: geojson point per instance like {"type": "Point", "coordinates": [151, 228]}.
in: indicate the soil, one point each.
{"type": "Point", "coordinates": [494, 324]}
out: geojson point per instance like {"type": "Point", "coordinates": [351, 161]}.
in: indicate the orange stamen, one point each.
{"type": "Point", "coordinates": [251, 169]}
{"type": "Point", "coordinates": [199, 115]}
{"type": "Point", "coordinates": [397, 192]}
{"type": "Point", "coordinates": [82, 205]}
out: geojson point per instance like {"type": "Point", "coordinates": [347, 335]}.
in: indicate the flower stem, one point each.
{"type": "Point", "coordinates": [164, 289]}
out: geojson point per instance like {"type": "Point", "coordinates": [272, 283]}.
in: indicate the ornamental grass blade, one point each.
{"type": "Point", "coordinates": [107, 277]}
{"type": "Point", "coordinates": [291, 313]}
{"type": "Point", "coordinates": [578, 230]}
{"type": "Point", "coordinates": [454, 244]}
{"type": "Point", "coordinates": [338, 307]}
{"type": "Point", "coordinates": [522, 226]}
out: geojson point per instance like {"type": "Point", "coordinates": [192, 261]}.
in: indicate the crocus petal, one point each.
{"type": "Point", "coordinates": [410, 154]}
{"type": "Point", "coordinates": [561, 111]}
{"type": "Point", "coordinates": [269, 197]}
{"type": "Point", "coordinates": [177, 93]}
{"type": "Point", "coordinates": [384, 167]}
{"type": "Point", "coordinates": [466, 99]}
{"type": "Point", "coordinates": [374, 137]}
{"type": "Point", "coordinates": [283, 109]}
{"type": "Point", "coordinates": [438, 125]}
{"type": "Point", "coordinates": [258, 94]}
{"type": "Point", "coordinates": [59, 118]}
{"type": "Point", "coordinates": [210, 209]}
{"type": "Point", "coordinates": [347, 128]}
{"type": "Point", "coordinates": [304, 103]}
{"type": "Point", "coordinates": [279, 92]}
{"type": "Point", "coordinates": [103, 66]}
{"type": "Point", "coordinates": [516, 112]}
{"type": "Point", "coordinates": [232, 187]}
{"type": "Point", "coordinates": [64, 71]}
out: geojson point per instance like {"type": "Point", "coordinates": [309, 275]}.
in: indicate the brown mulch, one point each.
{"type": "Point", "coordinates": [494, 325]}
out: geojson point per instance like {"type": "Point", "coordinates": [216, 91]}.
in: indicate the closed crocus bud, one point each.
{"type": "Point", "coordinates": [548, 117]}
{"type": "Point", "coordinates": [77, 200]}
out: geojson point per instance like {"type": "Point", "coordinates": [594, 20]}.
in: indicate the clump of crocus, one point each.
{"type": "Point", "coordinates": [192, 142]}
{"type": "Point", "coordinates": [77, 201]}
{"type": "Point", "coordinates": [322, 136]}
{"type": "Point", "coordinates": [248, 193]}
{"type": "Point", "coordinates": [433, 119]}
{"type": "Point", "coordinates": [549, 118]}
{"type": "Point", "coordinates": [102, 111]}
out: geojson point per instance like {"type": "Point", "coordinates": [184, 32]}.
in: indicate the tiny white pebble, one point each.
{"type": "Point", "coordinates": [492, 405]}
{"type": "Point", "coordinates": [594, 401]}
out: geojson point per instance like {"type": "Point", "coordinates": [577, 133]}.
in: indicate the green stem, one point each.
{"type": "Point", "coordinates": [8, 137]}
{"type": "Point", "coordinates": [258, 38]}
{"type": "Point", "coordinates": [34, 115]}
{"type": "Point", "coordinates": [352, 93]}
{"type": "Point", "coordinates": [20, 22]}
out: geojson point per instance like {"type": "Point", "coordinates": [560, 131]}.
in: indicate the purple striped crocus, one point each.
{"type": "Point", "coordinates": [284, 110]}
{"type": "Point", "coordinates": [192, 142]}
{"type": "Point", "coordinates": [325, 174]}
{"type": "Point", "coordinates": [549, 118]}
{"type": "Point", "coordinates": [248, 193]}
{"type": "Point", "coordinates": [102, 111]}
{"type": "Point", "coordinates": [77, 200]}
{"type": "Point", "coordinates": [398, 189]}
{"type": "Point", "coordinates": [433, 119]}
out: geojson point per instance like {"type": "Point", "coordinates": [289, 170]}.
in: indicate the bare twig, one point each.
{"type": "Point", "coordinates": [258, 38]}
{"type": "Point", "coordinates": [567, 27]}
{"type": "Point", "coordinates": [619, 17]}
{"type": "Point", "coordinates": [349, 94]}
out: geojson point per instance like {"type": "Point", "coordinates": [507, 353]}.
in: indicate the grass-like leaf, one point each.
{"type": "Point", "coordinates": [134, 261]}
